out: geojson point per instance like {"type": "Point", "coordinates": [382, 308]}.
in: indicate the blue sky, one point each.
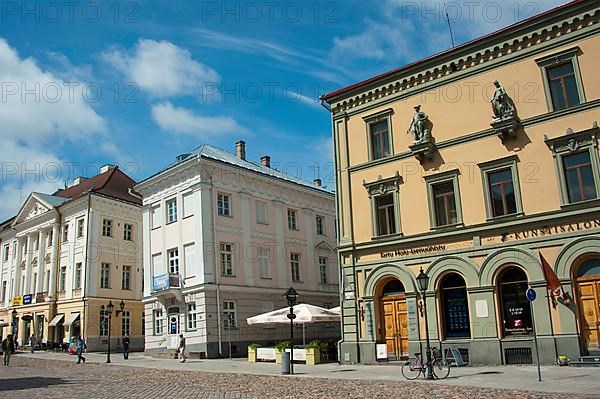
{"type": "Point", "coordinates": [136, 83]}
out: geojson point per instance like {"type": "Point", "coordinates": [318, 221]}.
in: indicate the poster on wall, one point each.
{"type": "Point", "coordinates": [381, 351]}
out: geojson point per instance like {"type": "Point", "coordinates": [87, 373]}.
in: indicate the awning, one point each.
{"type": "Point", "coordinates": [4, 324]}
{"type": "Point", "coordinates": [57, 319]}
{"type": "Point", "coordinates": [70, 319]}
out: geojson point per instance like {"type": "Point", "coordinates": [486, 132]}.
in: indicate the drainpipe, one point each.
{"type": "Point", "coordinates": [215, 259]}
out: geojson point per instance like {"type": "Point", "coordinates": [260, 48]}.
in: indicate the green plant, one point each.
{"type": "Point", "coordinates": [253, 346]}
{"type": "Point", "coordinates": [282, 346]}
{"type": "Point", "coordinates": [317, 343]}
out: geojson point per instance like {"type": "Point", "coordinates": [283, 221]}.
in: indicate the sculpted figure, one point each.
{"type": "Point", "coordinates": [418, 126]}
{"type": "Point", "coordinates": [501, 104]}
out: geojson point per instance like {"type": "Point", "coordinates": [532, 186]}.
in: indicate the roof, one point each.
{"type": "Point", "coordinates": [457, 49]}
{"type": "Point", "coordinates": [210, 152]}
{"type": "Point", "coordinates": [50, 199]}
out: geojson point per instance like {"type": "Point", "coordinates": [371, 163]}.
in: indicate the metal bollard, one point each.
{"type": "Point", "coordinates": [285, 362]}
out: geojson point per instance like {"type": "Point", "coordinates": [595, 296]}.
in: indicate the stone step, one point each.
{"type": "Point", "coordinates": [172, 354]}
{"type": "Point", "coordinates": [584, 364]}
{"type": "Point", "coordinates": [589, 359]}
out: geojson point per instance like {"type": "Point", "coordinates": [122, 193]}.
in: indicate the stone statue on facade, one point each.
{"type": "Point", "coordinates": [419, 126]}
{"type": "Point", "coordinates": [501, 102]}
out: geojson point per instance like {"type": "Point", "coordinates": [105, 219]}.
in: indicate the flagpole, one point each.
{"type": "Point", "coordinates": [548, 299]}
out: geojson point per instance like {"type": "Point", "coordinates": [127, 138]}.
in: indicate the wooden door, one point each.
{"type": "Point", "coordinates": [396, 326]}
{"type": "Point", "coordinates": [589, 301]}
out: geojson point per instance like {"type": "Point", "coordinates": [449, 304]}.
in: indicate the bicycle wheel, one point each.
{"type": "Point", "coordinates": [411, 369]}
{"type": "Point", "coordinates": [441, 368]}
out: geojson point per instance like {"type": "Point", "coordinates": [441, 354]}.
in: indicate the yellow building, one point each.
{"type": "Point", "coordinates": [65, 255]}
{"type": "Point", "coordinates": [472, 164]}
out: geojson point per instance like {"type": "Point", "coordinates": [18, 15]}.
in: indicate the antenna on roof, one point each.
{"type": "Point", "coordinates": [449, 25]}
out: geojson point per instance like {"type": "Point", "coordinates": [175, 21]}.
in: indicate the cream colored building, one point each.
{"type": "Point", "coordinates": [65, 255]}
{"type": "Point", "coordinates": [478, 199]}
{"type": "Point", "coordinates": [224, 237]}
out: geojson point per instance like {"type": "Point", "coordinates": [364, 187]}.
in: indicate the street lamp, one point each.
{"type": "Point", "coordinates": [109, 309]}
{"type": "Point", "coordinates": [422, 282]}
{"type": "Point", "coordinates": [291, 296]}
{"type": "Point", "coordinates": [14, 321]}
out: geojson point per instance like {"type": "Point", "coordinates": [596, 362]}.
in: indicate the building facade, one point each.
{"type": "Point", "coordinates": [500, 167]}
{"type": "Point", "coordinates": [224, 238]}
{"type": "Point", "coordinates": [66, 255]}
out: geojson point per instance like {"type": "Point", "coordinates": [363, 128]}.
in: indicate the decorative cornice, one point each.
{"type": "Point", "coordinates": [572, 141]}
{"type": "Point", "coordinates": [383, 186]}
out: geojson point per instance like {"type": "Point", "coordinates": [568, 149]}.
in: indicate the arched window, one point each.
{"type": "Point", "coordinates": [515, 309]}
{"type": "Point", "coordinates": [455, 307]}
{"type": "Point", "coordinates": [392, 287]}
{"type": "Point", "coordinates": [590, 267]}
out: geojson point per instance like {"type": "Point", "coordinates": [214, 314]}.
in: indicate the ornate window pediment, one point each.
{"type": "Point", "coordinates": [383, 186]}
{"type": "Point", "coordinates": [573, 141]}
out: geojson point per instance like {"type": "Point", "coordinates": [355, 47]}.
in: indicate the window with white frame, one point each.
{"type": "Point", "coordinates": [157, 265]}
{"type": "Point", "coordinates": [226, 259]}
{"type": "Point", "coordinates": [188, 205]}
{"type": "Point", "coordinates": [80, 226]}
{"type": "Point", "coordinates": [50, 237]}
{"type": "Point", "coordinates": [261, 212]}
{"type": "Point", "coordinates": [127, 231]}
{"type": "Point", "coordinates": [105, 275]}
{"type": "Point", "coordinates": [155, 217]}
{"type": "Point", "coordinates": [295, 266]}
{"type": "Point", "coordinates": [62, 283]}
{"type": "Point", "coordinates": [125, 323]}
{"type": "Point", "coordinates": [192, 316]}
{"type": "Point", "coordinates": [6, 249]}
{"type": "Point", "coordinates": [65, 232]}
{"type": "Point", "coordinates": [173, 255]}
{"type": "Point", "coordinates": [264, 255]}
{"type": "Point", "coordinates": [189, 253]}
{"type": "Point", "coordinates": [159, 322]}
{"type": "Point", "coordinates": [320, 223]}
{"type": "Point", "coordinates": [323, 269]}
{"type": "Point", "coordinates": [77, 279]}
{"type": "Point", "coordinates": [103, 323]}
{"type": "Point", "coordinates": [229, 313]}
{"type": "Point", "coordinates": [172, 210]}
{"type": "Point", "coordinates": [292, 215]}
{"type": "Point", "coordinates": [223, 204]}
{"type": "Point", "coordinates": [107, 227]}
{"type": "Point", "coordinates": [126, 278]}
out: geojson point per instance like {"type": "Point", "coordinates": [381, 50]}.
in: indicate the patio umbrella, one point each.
{"type": "Point", "coordinates": [305, 314]}
{"type": "Point", "coordinates": [337, 310]}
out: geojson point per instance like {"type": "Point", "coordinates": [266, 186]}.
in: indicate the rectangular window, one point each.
{"type": "Point", "coordinates": [292, 219]}
{"type": "Point", "coordinates": [226, 259]}
{"type": "Point", "coordinates": [172, 211]}
{"type": "Point", "coordinates": [65, 232]}
{"type": "Point", "coordinates": [323, 269]}
{"type": "Point", "coordinates": [320, 222]}
{"type": "Point", "coordinates": [62, 283]}
{"type": "Point", "coordinates": [157, 265]}
{"type": "Point", "coordinates": [173, 255]}
{"type": "Point", "coordinates": [189, 253]}
{"type": "Point", "coordinates": [155, 220]}
{"type": "Point", "coordinates": [80, 225]}
{"type": "Point", "coordinates": [103, 323]}
{"type": "Point", "coordinates": [229, 313]}
{"type": "Point", "coordinates": [385, 214]}
{"type": "Point", "coordinates": [50, 236]}
{"type": "Point", "coordinates": [125, 323]}
{"type": "Point", "coordinates": [107, 227]}
{"type": "Point", "coordinates": [105, 275]}
{"type": "Point", "coordinates": [126, 278]}
{"type": "Point", "coordinates": [579, 177]}
{"type": "Point", "coordinates": [263, 262]}
{"type": "Point", "coordinates": [188, 205]}
{"type": "Point", "coordinates": [127, 232]}
{"type": "Point", "coordinates": [159, 322]}
{"type": "Point", "coordinates": [223, 204]}
{"type": "Point", "coordinates": [77, 281]}
{"type": "Point", "coordinates": [6, 249]}
{"type": "Point", "coordinates": [261, 212]}
{"type": "Point", "coordinates": [444, 200]}
{"type": "Point", "coordinates": [295, 266]}
{"type": "Point", "coordinates": [380, 140]}
{"type": "Point", "coordinates": [36, 245]}
{"type": "Point", "coordinates": [192, 317]}
{"type": "Point", "coordinates": [563, 86]}
{"type": "Point", "coordinates": [3, 291]}
{"type": "Point", "coordinates": [502, 192]}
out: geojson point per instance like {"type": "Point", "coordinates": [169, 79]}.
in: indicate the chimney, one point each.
{"type": "Point", "coordinates": [77, 181]}
{"type": "Point", "coordinates": [265, 160]}
{"type": "Point", "coordinates": [240, 149]}
{"type": "Point", "coordinates": [317, 182]}
{"type": "Point", "coordinates": [106, 168]}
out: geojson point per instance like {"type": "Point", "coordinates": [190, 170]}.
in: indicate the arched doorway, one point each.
{"type": "Point", "coordinates": [588, 295]}
{"type": "Point", "coordinates": [395, 319]}
{"type": "Point", "coordinates": [455, 307]}
{"type": "Point", "coordinates": [515, 309]}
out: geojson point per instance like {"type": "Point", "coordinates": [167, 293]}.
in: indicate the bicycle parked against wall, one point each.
{"type": "Point", "coordinates": [413, 368]}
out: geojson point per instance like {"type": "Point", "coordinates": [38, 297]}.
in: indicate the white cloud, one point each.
{"type": "Point", "coordinates": [161, 68]}
{"type": "Point", "coordinates": [179, 120]}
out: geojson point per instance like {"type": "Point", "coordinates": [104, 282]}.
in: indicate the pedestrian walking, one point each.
{"type": "Point", "coordinates": [32, 342]}
{"type": "Point", "coordinates": [181, 348]}
{"type": "Point", "coordinates": [81, 347]}
{"type": "Point", "coordinates": [7, 348]}
{"type": "Point", "coordinates": [15, 343]}
{"type": "Point", "coordinates": [126, 346]}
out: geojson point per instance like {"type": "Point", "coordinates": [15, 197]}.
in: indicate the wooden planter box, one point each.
{"type": "Point", "coordinates": [277, 357]}
{"type": "Point", "coordinates": [252, 355]}
{"type": "Point", "coordinates": [313, 356]}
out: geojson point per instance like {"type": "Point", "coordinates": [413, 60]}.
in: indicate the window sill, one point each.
{"type": "Point", "coordinates": [387, 236]}
{"type": "Point", "coordinates": [261, 223]}
{"type": "Point", "coordinates": [228, 275]}
{"type": "Point", "coordinates": [446, 227]}
{"type": "Point", "coordinates": [105, 288]}
{"type": "Point", "coordinates": [581, 204]}
{"type": "Point", "coordinates": [512, 216]}
{"type": "Point", "coordinates": [225, 216]}
{"type": "Point", "coordinates": [298, 281]}
{"type": "Point", "coordinates": [266, 278]}
{"type": "Point", "coordinates": [188, 216]}
{"type": "Point", "coordinates": [155, 228]}
{"type": "Point", "coordinates": [171, 222]}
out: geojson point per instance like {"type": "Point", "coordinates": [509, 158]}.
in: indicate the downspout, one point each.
{"type": "Point", "coordinates": [215, 258]}
{"type": "Point", "coordinates": [87, 267]}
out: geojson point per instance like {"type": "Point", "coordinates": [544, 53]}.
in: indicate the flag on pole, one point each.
{"type": "Point", "coordinates": [553, 281]}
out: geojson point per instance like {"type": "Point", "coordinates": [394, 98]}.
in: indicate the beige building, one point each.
{"type": "Point", "coordinates": [65, 255]}
{"type": "Point", "coordinates": [489, 178]}
{"type": "Point", "coordinates": [224, 237]}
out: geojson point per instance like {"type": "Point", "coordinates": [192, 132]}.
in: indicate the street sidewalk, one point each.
{"type": "Point", "coordinates": [555, 379]}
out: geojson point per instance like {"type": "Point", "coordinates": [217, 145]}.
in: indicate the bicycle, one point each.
{"type": "Point", "coordinates": [413, 368]}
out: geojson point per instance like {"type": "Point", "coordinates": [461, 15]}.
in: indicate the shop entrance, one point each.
{"type": "Point", "coordinates": [395, 319]}
{"type": "Point", "coordinates": [588, 289]}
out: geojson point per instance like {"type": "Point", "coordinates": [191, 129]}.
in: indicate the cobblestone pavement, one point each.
{"type": "Point", "coordinates": [40, 378]}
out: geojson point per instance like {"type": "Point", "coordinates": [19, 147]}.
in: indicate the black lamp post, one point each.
{"type": "Point", "coordinates": [109, 309]}
{"type": "Point", "coordinates": [291, 296]}
{"type": "Point", "coordinates": [423, 281]}
{"type": "Point", "coordinates": [14, 321]}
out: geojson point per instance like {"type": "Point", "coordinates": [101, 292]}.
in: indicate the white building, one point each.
{"type": "Point", "coordinates": [224, 238]}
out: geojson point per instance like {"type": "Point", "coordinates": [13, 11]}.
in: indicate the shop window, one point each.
{"type": "Point", "coordinates": [455, 307]}
{"type": "Point", "coordinates": [515, 309]}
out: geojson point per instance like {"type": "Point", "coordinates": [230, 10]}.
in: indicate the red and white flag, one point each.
{"type": "Point", "coordinates": [553, 282]}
